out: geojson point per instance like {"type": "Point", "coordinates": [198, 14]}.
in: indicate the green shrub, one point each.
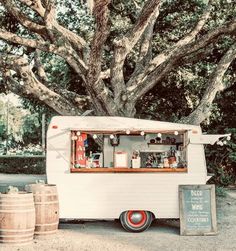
{"type": "Point", "coordinates": [22, 165]}
{"type": "Point", "coordinates": [220, 191]}
{"type": "Point", "coordinates": [221, 161]}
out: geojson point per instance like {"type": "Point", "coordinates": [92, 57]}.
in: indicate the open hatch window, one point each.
{"type": "Point", "coordinates": [128, 152]}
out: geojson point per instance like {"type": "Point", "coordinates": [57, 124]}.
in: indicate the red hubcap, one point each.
{"type": "Point", "coordinates": [136, 218]}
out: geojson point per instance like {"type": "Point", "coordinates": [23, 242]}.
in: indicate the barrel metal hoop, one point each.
{"type": "Point", "coordinates": [17, 205]}
{"type": "Point", "coordinates": [46, 202]}
{"type": "Point", "coordinates": [15, 236]}
{"type": "Point", "coordinates": [17, 211]}
{"type": "Point", "coordinates": [17, 241]}
{"type": "Point", "coordinates": [45, 194]}
{"type": "Point", "coordinates": [17, 230]}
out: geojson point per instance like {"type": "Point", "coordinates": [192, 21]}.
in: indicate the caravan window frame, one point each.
{"type": "Point", "coordinates": [128, 169]}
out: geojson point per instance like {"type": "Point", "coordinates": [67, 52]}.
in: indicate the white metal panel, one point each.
{"type": "Point", "coordinates": [196, 159]}
{"type": "Point", "coordinates": [115, 123]}
{"type": "Point", "coordinates": [98, 196]}
{"type": "Point", "coordinates": [206, 139]}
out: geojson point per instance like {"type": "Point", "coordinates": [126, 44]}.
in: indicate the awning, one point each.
{"type": "Point", "coordinates": [207, 139]}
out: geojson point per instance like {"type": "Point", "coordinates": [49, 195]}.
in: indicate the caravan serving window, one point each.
{"type": "Point", "coordinates": [128, 151]}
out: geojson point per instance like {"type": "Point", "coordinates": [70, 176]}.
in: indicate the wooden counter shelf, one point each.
{"type": "Point", "coordinates": [166, 144]}
{"type": "Point", "coordinates": [163, 144]}
{"type": "Point", "coordinates": [128, 170]}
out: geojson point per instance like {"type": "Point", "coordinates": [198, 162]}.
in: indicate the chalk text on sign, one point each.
{"type": "Point", "coordinates": [196, 193]}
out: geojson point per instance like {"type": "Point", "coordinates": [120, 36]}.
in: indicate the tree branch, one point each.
{"type": "Point", "coordinates": [33, 43]}
{"type": "Point", "coordinates": [95, 86]}
{"type": "Point", "coordinates": [149, 80]}
{"type": "Point", "coordinates": [65, 51]}
{"type": "Point", "coordinates": [31, 86]}
{"type": "Point", "coordinates": [76, 41]}
{"type": "Point", "coordinates": [35, 5]}
{"type": "Point", "coordinates": [22, 19]}
{"type": "Point", "coordinates": [101, 13]}
{"type": "Point", "coordinates": [216, 84]}
{"type": "Point", "coordinates": [182, 42]}
{"type": "Point", "coordinates": [124, 45]}
{"type": "Point", "coordinates": [105, 74]}
{"type": "Point", "coordinates": [39, 67]}
{"type": "Point", "coordinates": [167, 54]}
{"type": "Point", "coordinates": [145, 49]}
{"type": "Point", "coordinates": [49, 18]}
{"type": "Point", "coordinates": [81, 101]}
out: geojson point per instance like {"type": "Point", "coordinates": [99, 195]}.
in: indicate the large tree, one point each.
{"type": "Point", "coordinates": [114, 70]}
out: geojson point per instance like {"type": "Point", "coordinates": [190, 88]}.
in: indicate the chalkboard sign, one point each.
{"type": "Point", "coordinates": [197, 210]}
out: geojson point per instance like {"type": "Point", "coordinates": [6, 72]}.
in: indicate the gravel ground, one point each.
{"type": "Point", "coordinates": [162, 235]}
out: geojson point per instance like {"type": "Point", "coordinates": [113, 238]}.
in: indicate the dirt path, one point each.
{"type": "Point", "coordinates": [163, 235]}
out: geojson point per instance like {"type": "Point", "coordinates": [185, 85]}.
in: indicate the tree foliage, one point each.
{"type": "Point", "coordinates": [17, 126]}
{"type": "Point", "coordinates": [127, 58]}
{"type": "Point", "coordinates": [168, 60]}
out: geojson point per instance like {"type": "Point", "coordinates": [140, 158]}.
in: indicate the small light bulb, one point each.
{"type": "Point", "coordinates": [78, 133]}
{"type": "Point", "coordinates": [112, 136]}
{"type": "Point", "coordinates": [159, 135]}
{"type": "Point", "coordinates": [228, 138]}
{"type": "Point", "coordinates": [220, 143]}
{"type": "Point", "coordinates": [142, 133]}
{"type": "Point", "coordinates": [225, 142]}
{"type": "Point", "coordinates": [176, 133]}
{"type": "Point", "coordinates": [127, 131]}
{"type": "Point", "coordinates": [95, 136]}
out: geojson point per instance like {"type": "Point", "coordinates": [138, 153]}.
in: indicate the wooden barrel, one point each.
{"type": "Point", "coordinates": [17, 218]}
{"type": "Point", "coordinates": [46, 208]}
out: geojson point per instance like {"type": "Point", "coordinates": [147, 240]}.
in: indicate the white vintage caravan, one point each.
{"type": "Point", "coordinates": [142, 163]}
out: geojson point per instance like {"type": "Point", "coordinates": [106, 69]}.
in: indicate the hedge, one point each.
{"type": "Point", "coordinates": [23, 164]}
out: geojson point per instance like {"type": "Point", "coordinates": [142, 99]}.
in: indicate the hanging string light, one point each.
{"type": "Point", "coordinates": [223, 141]}
{"type": "Point", "coordinates": [159, 135]}
{"type": "Point", "coordinates": [142, 133]}
{"type": "Point", "coordinates": [112, 136]}
{"type": "Point", "coordinates": [95, 136]}
{"type": "Point", "coordinates": [78, 133]}
{"type": "Point", "coordinates": [127, 131]}
{"type": "Point", "coordinates": [176, 133]}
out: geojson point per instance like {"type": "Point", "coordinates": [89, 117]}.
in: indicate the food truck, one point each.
{"type": "Point", "coordinates": [124, 168]}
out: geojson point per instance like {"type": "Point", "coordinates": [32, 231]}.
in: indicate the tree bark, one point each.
{"type": "Point", "coordinates": [216, 84]}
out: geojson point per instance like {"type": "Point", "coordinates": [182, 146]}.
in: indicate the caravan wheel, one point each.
{"type": "Point", "coordinates": [136, 221]}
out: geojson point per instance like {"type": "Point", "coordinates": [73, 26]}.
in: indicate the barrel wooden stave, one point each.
{"type": "Point", "coordinates": [46, 207]}
{"type": "Point", "coordinates": [17, 218]}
